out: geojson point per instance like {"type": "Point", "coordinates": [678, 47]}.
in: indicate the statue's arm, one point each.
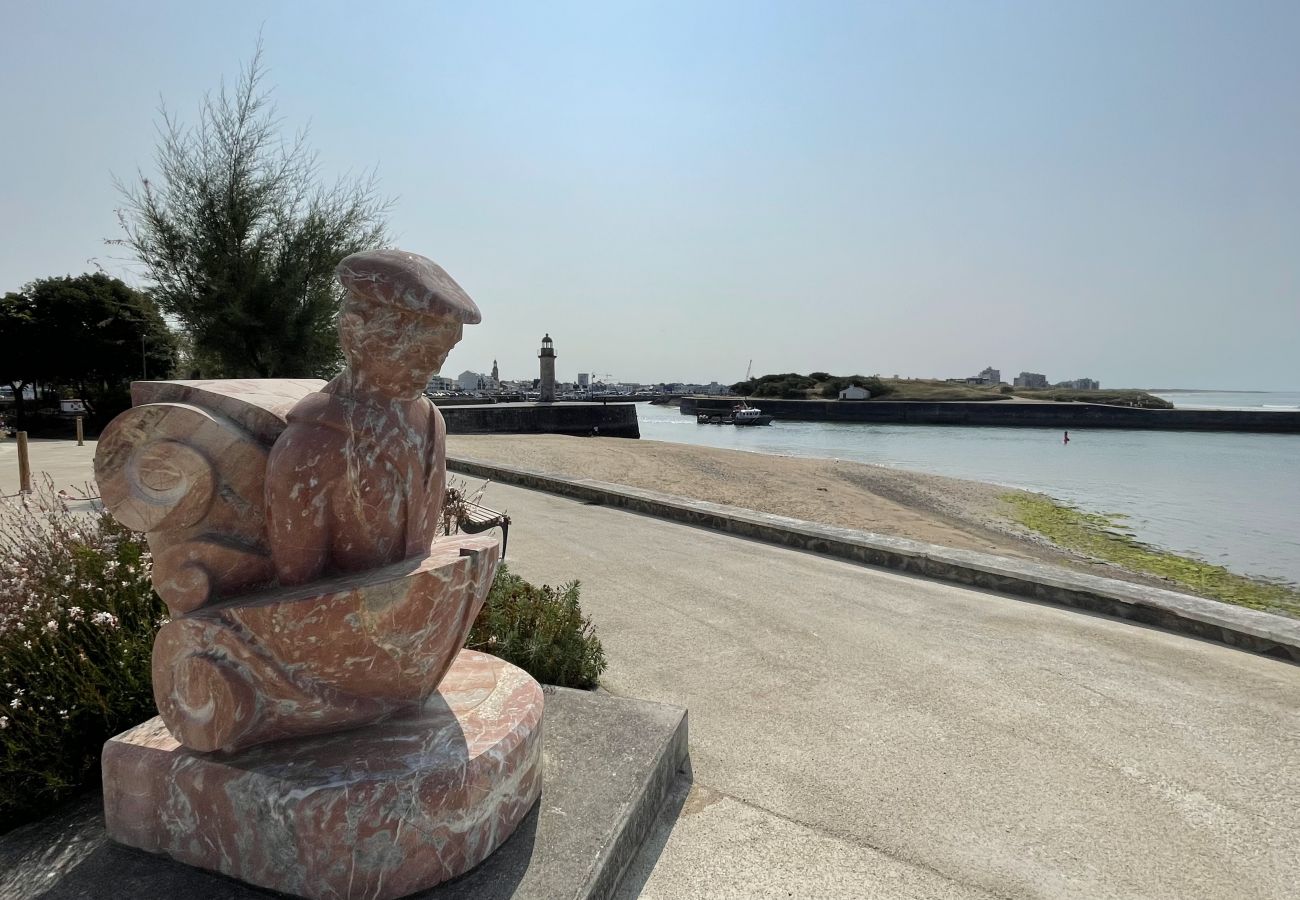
{"type": "Point", "coordinates": [298, 507]}
{"type": "Point", "coordinates": [438, 429]}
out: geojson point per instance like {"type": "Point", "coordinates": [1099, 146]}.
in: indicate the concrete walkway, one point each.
{"type": "Point", "coordinates": [70, 466]}
{"type": "Point", "coordinates": [856, 733]}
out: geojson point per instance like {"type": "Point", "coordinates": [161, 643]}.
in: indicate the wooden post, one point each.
{"type": "Point", "coordinates": [81, 434]}
{"type": "Point", "coordinates": [24, 465]}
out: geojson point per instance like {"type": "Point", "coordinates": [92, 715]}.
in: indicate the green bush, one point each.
{"type": "Point", "coordinates": [540, 629]}
{"type": "Point", "coordinates": [77, 619]}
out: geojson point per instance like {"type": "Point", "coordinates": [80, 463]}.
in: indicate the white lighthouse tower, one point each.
{"type": "Point", "coordinates": [547, 356]}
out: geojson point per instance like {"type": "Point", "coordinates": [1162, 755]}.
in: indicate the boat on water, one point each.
{"type": "Point", "coordinates": [750, 415]}
{"type": "Point", "coordinates": [741, 414]}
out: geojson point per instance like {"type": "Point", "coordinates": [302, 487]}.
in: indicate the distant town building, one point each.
{"type": "Point", "coordinates": [474, 381]}
{"type": "Point", "coordinates": [854, 392]}
{"type": "Point", "coordinates": [680, 387]}
{"type": "Point", "coordinates": [496, 376]}
{"type": "Point", "coordinates": [547, 356]}
{"type": "Point", "coordinates": [989, 376]}
{"type": "Point", "coordinates": [1030, 380]}
{"type": "Point", "coordinates": [584, 380]}
{"type": "Point", "coordinates": [439, 383]}
{"type": "Point", "coordinates": [1080, 384]}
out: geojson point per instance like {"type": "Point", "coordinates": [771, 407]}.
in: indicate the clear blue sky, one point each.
{"type": "Point", "coordinates": [1108, 189]}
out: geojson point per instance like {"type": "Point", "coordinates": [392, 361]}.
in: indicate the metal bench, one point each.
{"type": "Point", "coordinates": [473, 518]}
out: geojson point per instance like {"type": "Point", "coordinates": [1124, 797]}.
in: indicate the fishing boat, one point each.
{"type": "Point", "coordinates": [741, 414]}
{"type": "Point", "coordinates": [749, 415]}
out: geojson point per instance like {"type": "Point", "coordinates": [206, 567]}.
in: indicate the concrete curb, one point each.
{"type": "Point", "coordinates": [1247, 629]}
{"type": "Point", "coordinates": [640, 814]}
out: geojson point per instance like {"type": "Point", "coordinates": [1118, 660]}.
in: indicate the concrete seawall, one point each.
{"type": "Point", "coordinates": [1007, 413]}
{"type": "Point", "coordinates": [612, 420]}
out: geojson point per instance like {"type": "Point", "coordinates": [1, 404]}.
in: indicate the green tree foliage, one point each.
{"type": "Point", "coordinates": [89, 335]}
{"type": "Point", "coordinates": [788, 385]}
{"type": "Point", "coordinates": [792, 386]}
{"type": "Point", "coordinates": [832, 387]}
{"type": "Point", "coordinates": [240, 239]}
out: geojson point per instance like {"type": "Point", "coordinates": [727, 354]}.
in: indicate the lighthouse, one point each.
{"type": "Point", "coordinates": [547, 356]}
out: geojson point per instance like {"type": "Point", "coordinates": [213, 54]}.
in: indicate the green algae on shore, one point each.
{"type": "Point", "coordinates": [1103, 537]}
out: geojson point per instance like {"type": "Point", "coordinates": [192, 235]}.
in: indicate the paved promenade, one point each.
{"type": "Point", "coordinates": [69, 465]}
{"type": "Point", "coordinates": [856, 733]}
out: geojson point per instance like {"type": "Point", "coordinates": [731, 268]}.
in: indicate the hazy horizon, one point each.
{"type": "Point", "coordinates": [1090, 189]}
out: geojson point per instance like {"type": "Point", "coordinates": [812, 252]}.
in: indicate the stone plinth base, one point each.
{"type": "Point", "coordinates": [376, 812]}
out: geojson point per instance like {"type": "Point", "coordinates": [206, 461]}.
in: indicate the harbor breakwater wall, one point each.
{"type": "Point", "coordinates": [1009, 413]}
{"type": "Point", "coordinates": [610, 420]}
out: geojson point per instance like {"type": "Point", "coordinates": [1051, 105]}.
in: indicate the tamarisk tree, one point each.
{"type": "Point", "coordinates": [238, 238]}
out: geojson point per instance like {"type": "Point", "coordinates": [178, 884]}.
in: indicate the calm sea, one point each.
{"type": "Point", "coordinates": [1232, 499]}
{"type": "Point", "coordinates": [1233, 399]}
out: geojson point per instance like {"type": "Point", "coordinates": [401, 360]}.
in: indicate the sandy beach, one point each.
{"type": "Point", "coordinates": [969, 515]}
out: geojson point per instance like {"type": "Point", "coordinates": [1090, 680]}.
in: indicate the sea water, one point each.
{"type": "Point", "coordinates": [1227, 497]}
{"type": "Point", "coordinates": [1232, 399]}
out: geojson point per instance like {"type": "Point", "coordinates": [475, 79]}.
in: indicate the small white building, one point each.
{"type": "Point", "coordinates": [854, 392]}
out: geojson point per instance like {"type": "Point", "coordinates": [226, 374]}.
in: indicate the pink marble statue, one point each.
{"type": "Point", "coordinates": [293, 527]}
{"type": "Point", "coordinates": [356, 480]}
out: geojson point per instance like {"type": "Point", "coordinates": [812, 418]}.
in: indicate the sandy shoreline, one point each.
{"type": "Point", "coordinates": [954, 512]}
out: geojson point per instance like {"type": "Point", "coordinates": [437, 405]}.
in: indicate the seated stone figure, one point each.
{"type": "Point", "coordinates": [356, 480]}
{"type": "Point", "coordinates": [321, 732]}
{"type": "Point", "coordinates": [276, 511]}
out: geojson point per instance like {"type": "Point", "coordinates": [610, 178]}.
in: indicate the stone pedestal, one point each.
{"type": "Point", "coordinates": [376, 812]}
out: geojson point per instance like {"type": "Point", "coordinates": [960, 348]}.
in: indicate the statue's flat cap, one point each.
{"type": "Point", "coordinates": [408, 281]}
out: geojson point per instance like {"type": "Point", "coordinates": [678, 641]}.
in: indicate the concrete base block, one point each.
{"type": "Point", "coordinates": [608, 764]}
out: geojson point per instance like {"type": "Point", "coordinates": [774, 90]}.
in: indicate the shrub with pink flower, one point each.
{"type": "Point", "coordinates": [75, 644]}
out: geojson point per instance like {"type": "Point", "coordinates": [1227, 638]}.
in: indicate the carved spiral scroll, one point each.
{"type": "Point", "coordinates": [205, 697]}
{"type": "Point", "coordinates": [194, 481]}
{"type": "Point", "coordinates": [190, 574]}
{"type": "Point", "coordinates": [152, 476]}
